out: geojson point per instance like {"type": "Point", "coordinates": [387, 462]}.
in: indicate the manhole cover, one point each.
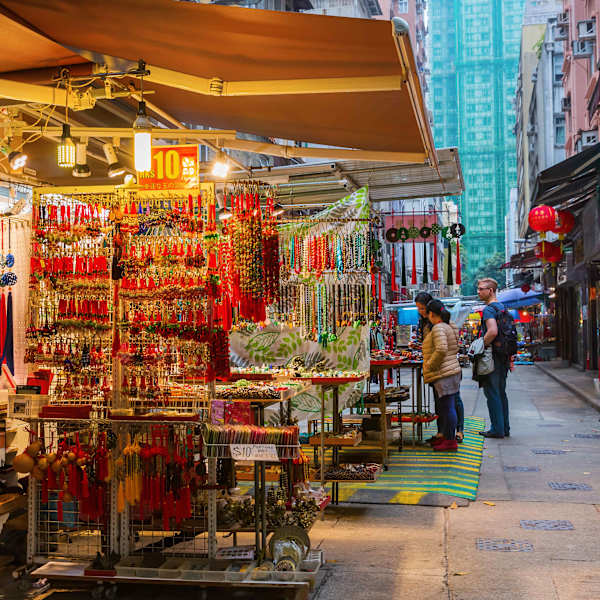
{"type": "Point", "coordinates": [522, 469]}
{"type": "Point", "coordinates": [547, 451]}
{"type": "Point", "coordinates": [588, 436]}
{"type": "Point", "coordinates": [556, 485]}
{"type": "Point", "coordinates": [549, 425]}
{"type": "Point", "coordinates": [503, 545]}
{"type": "Point", "coordinates": [547, 525]}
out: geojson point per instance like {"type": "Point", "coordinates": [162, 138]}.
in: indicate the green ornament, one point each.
{"type": "Point", "coordinates": [403, 234]}
{"type": "Point", "coordinates": [435, 229]}
{"type": "Point", "coordinates": [413, 233]}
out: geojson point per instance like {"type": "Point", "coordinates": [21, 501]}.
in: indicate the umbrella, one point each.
{"type": "Point", "coordinates": [516, 297]}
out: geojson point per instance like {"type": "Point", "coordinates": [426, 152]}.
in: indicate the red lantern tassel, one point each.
{"type": "Point", "coordinates": [458, 278]}
{"type": "Point", "coordinates": [379, 302]}
{"type": "Point", "coordinates": [435, 276]}
{"type": "Point", "coordinates": [393, 271]}
{"type": "Point", "coordinates": [413, 278]}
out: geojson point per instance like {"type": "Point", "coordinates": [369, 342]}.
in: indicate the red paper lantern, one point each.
{"type": "Point", "coordinates": [565, 221]}
{"type": "Point", "coordinates": [525, 288]}
{"type": "Point", "coordinates": [542, 218]}
{"type": "Point", "coordinates": [548, 252]}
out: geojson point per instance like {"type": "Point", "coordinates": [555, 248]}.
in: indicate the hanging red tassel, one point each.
{"type": "Point", "coordinates": [435, 276]}
{"type": "Point", "coordinates": [379, 301]}
{"type": "Point", "coordinates": [413, 278]}
{"type": "Point", "coordinates": [393, 271]}
{"type": "Point", "coordinates": [458, 271]}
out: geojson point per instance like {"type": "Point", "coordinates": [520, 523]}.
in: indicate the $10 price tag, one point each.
{"type": "Point", "coordinates": [264, 452]}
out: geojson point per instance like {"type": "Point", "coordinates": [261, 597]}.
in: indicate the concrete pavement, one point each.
{"type": "Point", "coordinates": [422, 553]}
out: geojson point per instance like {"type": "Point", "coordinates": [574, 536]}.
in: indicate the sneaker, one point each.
{"type": "Point", "coordinates": [433, 438]}
{"type": "Point", "coordinates": [490, 434]}
{"type": "Point", "coordinates": [446, 446]}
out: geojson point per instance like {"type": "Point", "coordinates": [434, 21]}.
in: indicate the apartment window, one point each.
{"type": "Point", "coordinates": [558, 75]}
{"type": "Point", "coordinates": [401, 6]}
{"type": "Point", "coordinates": [559, 131]}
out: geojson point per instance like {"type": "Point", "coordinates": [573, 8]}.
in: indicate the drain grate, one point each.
{"type": "Point", "coordinates": [547, 525]}
{"type": "Point", "coordinates": [549, 425]}
{"type": "Point", "coordinates": [503, 545]}
{"type": "Point", "coordinates": [588, 436]}
{"type": "Point", "coordinates": [522, 469]}
{"type": "Point", "coordinates": [556, 485]}
{"type": "Point", "coordinates": [547, 451]}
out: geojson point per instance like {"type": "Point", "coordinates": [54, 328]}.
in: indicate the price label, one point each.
{"type": "Point", "coordinates": [173, 167]}
{"type": "Point", "coordinates": [264, 452]}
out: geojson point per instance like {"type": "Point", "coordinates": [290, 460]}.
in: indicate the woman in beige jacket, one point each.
{"type": "Point", "coordinates": [442, 370]}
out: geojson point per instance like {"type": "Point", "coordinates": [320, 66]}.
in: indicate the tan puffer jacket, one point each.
{"type": "Point", "coordinates": [440, 348]}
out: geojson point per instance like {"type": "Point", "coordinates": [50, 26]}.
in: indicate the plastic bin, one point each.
{"type": "Point", "coordinates": [127, 567]}
{"type": "Point", "coordinates": [171, 568]}
{"type": "Point", "coordinates": [194, 570]}
{"type": "Point", "coordinates": [238, 571]}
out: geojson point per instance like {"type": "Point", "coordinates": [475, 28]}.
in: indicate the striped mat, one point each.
{"type": "Point", "coordinates": [420, 475]}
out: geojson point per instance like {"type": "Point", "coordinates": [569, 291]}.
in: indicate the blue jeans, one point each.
{"type": "Point", "coordinates": [460, 413]}
{"type": "Point", "coordinates": [448, 415]}
{"type": "Point", "coordinates": [494, 389]}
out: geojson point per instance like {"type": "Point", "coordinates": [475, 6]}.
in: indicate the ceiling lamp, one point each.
{"type": "Point", "coordinates": [142, 140]}
{"type": "Point", "coordinates": [81, 168]}
{"type": "Point", "coordinates": [17, 160]}
{"type": "Point", "coordinates": [66, 148]}
{"type": "Point", "coordinates": [278, 210]}
{"type": "Point", "coordinates": [220, 167]}
{"type": "Point", "coordinates": [115, 168]}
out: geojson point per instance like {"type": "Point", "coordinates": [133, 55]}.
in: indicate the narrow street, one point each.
{"type": "Point", "coordinates": [430, 553]}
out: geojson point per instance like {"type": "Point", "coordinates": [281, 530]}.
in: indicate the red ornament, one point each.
{"type": "Point", "coordinates": [525, 288]}
{"type": "Point", "coordinates": [565, 221]}
{"type": "Point", "coordinates": [542, 219]}
{"type": "Point", "coordinates": [548, 252]}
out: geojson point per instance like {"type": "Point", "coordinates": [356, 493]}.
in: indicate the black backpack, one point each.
{"type": "Point", "coordinates": [505, 344]}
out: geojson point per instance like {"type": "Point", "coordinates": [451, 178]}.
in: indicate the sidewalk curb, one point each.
{"type": "Point", "coordinates": [587, 398]}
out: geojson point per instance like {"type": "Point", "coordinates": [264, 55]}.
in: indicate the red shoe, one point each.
{"type": "Point", "coordinates": [446, 446]}
{"type": "Point", "coordinates": [437, 441]}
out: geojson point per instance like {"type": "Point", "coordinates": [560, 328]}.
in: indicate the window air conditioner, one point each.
{"type": "Point", "coordinates": [561, 33]}
{"type": "Point", "coordinates": [589, 138]}
{"type": "Point", "coordinates": [583, 49]}
{"type": "Point", "coordinates": [586, 30]}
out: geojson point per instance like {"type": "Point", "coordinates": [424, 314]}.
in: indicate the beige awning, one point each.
{"type": "Point", "coordinates": [323, 183]}
{"type": "Point", "coordinates": [350, 83]}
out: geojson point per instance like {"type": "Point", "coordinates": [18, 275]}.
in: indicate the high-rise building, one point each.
{"type": "Point", "coordinates": [473, 58]}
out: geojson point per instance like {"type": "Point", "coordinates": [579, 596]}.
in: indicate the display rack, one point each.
{"type": "Point", "coordinates": [155, 305]}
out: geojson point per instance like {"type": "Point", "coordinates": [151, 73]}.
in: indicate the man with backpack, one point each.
{"type": "Point", "coordinates": [499, 332]}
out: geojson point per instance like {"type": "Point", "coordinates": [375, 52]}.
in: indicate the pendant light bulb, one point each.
{"type": "Point", "coordinates": [220, 167]}
{"type": "Point", "coordinates": [81, 168]}
{"type": "Point", "coordinates": [17, 160]}
{"type": "Point", "coordinates": [142, 140]}
{"type": "Point", "coordinates": [66, 148]}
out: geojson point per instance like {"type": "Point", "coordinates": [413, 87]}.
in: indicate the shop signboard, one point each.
{"type": "Point", "coordinates": [173, 167]}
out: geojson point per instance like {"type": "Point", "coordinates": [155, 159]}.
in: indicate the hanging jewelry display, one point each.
{"type": "Point", "coordinates": [325, 266]}
{"type": "Point", "coordinates": [70, 301]}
